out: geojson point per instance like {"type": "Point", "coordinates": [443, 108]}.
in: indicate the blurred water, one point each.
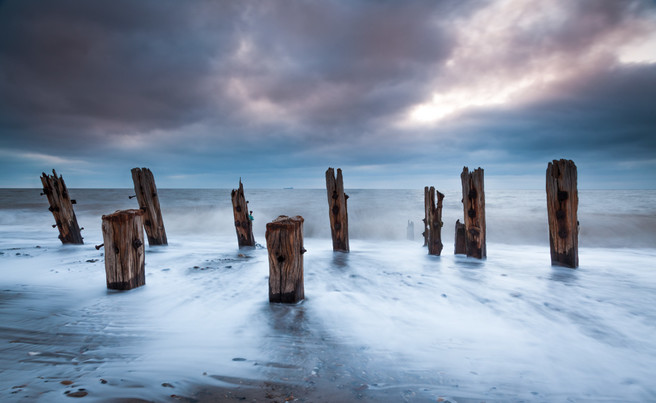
{"type": "Point", "coordinates": [385, 322]}
{"type": "Point", "coordinates": [615, 218]}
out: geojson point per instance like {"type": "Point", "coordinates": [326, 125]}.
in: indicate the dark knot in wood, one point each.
{"type": "Point", "coordinates": [471, 213]}
{"type": "Point", "coordinates": [335, 195]}
{"type": "Point", "coordinates": [472, 193]}
{"type": "Point", "coordinates": [237, 223]}
{"type": "Point", "coordinates": [116, 250]}
{"type": "Point", "coordinates": [303, 250]}
{"type": "Point", "coordinates": [238, 209]}
{"type": "Point", "coordinates": [73, 201]}
{"type": "Point", "coordinates": [338, 226]}
{"type": "Point", "coordinates": [136, 244]}
{"type": "Point", "coordinates": [148, 223]}
{"type": "Point", "coordinates": [563, 233]}
{"type": "Point", "coordinates": [154, 194]}
{"type": "Point", "coordinates": [560, 214]}
{"type": "Point", "coordinates": [65, 194]}
{"type": "Point", "coordinates": [132, 197]}
{"type": "Point", "coordinates": [99, 246]}
{"type": "Point", "coordinates": [280, 259]}
{"type": "Point", "coordinates": [346, 196]}
{"type": "Point", "coordinates": [335, 209]}
{"type": "Point", "coordinates": [563, 195]}
{"type": "Point", "coordinates": [54, 225]}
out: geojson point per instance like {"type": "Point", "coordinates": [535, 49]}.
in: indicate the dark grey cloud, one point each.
{"type": "Point", "coordinates": [133, 66]}
{"type": "Point", "coordinates": [342, 63]}
{"type": "Point", "coordinates": [245, 86]}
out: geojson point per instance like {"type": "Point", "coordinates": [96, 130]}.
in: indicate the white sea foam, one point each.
{"type": "Point", "coordinates": [386, 316]}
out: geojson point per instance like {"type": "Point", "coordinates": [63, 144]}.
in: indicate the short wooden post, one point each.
{"type": "Point", "coordinates": [562, 212]}
{"type": "Point", "coordinates": [338, 214]}
{"type": "Point", "coordinates": [146, 191]}
{"type": "Point", "coordinates": [61, 207]}
{"type": "Point", "coordinates": [284, 238]}
{"type": "Point", "coordinates": [124, 249]}
{"type": "Point", "coordinates": [434, 219]}
{"type": "Point", "coordinates": [243, 223]}
{"type": "Point", "coordinates": [473, 201]}
{"type": "Point", "coordinates": [460, 245]}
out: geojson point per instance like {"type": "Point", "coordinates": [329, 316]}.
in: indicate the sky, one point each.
{"type": "Point", "coordinates": [397, 94]}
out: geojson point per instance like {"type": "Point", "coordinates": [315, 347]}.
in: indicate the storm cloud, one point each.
{"type": "Point", "coordinates": [401, 94]}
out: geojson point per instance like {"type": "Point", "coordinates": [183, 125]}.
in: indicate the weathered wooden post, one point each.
{"type": "Point", "coordinates": [146, 191]}
{"type": "Point", "coordinates": [338, 214]}
{"type": "Point", "coordinates": [61, 207]}
{"type": "Point", "coordinates": [284, 238]}
{"type": "Point", "coordinates": [434, 219]}
{"type": "Point", "coordinates": [426, 219]}
{"type": "Point", "coordinates": [243, 223]}
{"type": "Point", "coordinates": [124, 249]}
{"type": "Point", "coordinates": [473, 201]}
{"type": "Point", "coordinates": [562, 212]}
{"type": "Point", "coordinates": [460, 245]}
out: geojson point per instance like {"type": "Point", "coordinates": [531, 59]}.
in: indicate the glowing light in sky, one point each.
{"type": "Point", "coordinates": [497, 61]}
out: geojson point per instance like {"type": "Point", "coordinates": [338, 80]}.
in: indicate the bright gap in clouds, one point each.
{"type": "Point", "coordinates": [642, 50]}
{"type": "Point", "coordinates": [478, 66]}
{"type": "Point", "coordinates": [486, 94]}
{"type": "Point", "coordinates": [499, 59]}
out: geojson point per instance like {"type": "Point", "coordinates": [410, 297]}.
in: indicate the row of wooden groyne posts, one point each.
{"type": "Point", "coordinates": [123, 231]}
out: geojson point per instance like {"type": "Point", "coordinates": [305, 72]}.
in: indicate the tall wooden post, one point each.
{"type": "Point", "coordinates": [427, 212]}
{"type": "Point", "coordinates": [338, 214]}
{"type": "Point", "coordinates": [61, 207]}
{"type": "Point", "coordinates": [562, 212]}
{"type": "Point", "coordinates": [473, 201]}
{"type": "Point", "coordinates": [460, 243]}
{"type": "Point", "coordinates": [243, 223]}
{"type": "Point", "coordinates": [146, 191]}
{"type": "Point", "coordinates": [434, 219]}
{"type": "Point", "coordinates": [284, 237]}
{"type": "Point", "coordinates": [124, 249]}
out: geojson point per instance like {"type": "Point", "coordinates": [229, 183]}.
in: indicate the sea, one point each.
{"type": "Point", "coordinates": [385, 322]}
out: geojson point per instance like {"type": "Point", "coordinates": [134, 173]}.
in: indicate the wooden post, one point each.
{"type": "Point", "coordinates": [473, 201]}
{"type": "Point", "coordinates": [284, 237]}
{"type": "Point", "coordinates": [338, 214]}
{"type": "Point", "coordinates": [427, 212]}
{"type": "Point", "coordinates": [243, 223]}
{"type": "Point", "coordinates": [410, 231]}
{"type": "Point", "coordinates": [562, 212]}
{"type": "Point", "coordinates": [61, 207]}
{"type": "Point", "coordinates": [124, 249]}
{"type": "Point", "coordinates": [146, 191]}
{"type": "Point", "coordinates": [434, 219]}
{"type": "Point", "coordinates": [461, 247]}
